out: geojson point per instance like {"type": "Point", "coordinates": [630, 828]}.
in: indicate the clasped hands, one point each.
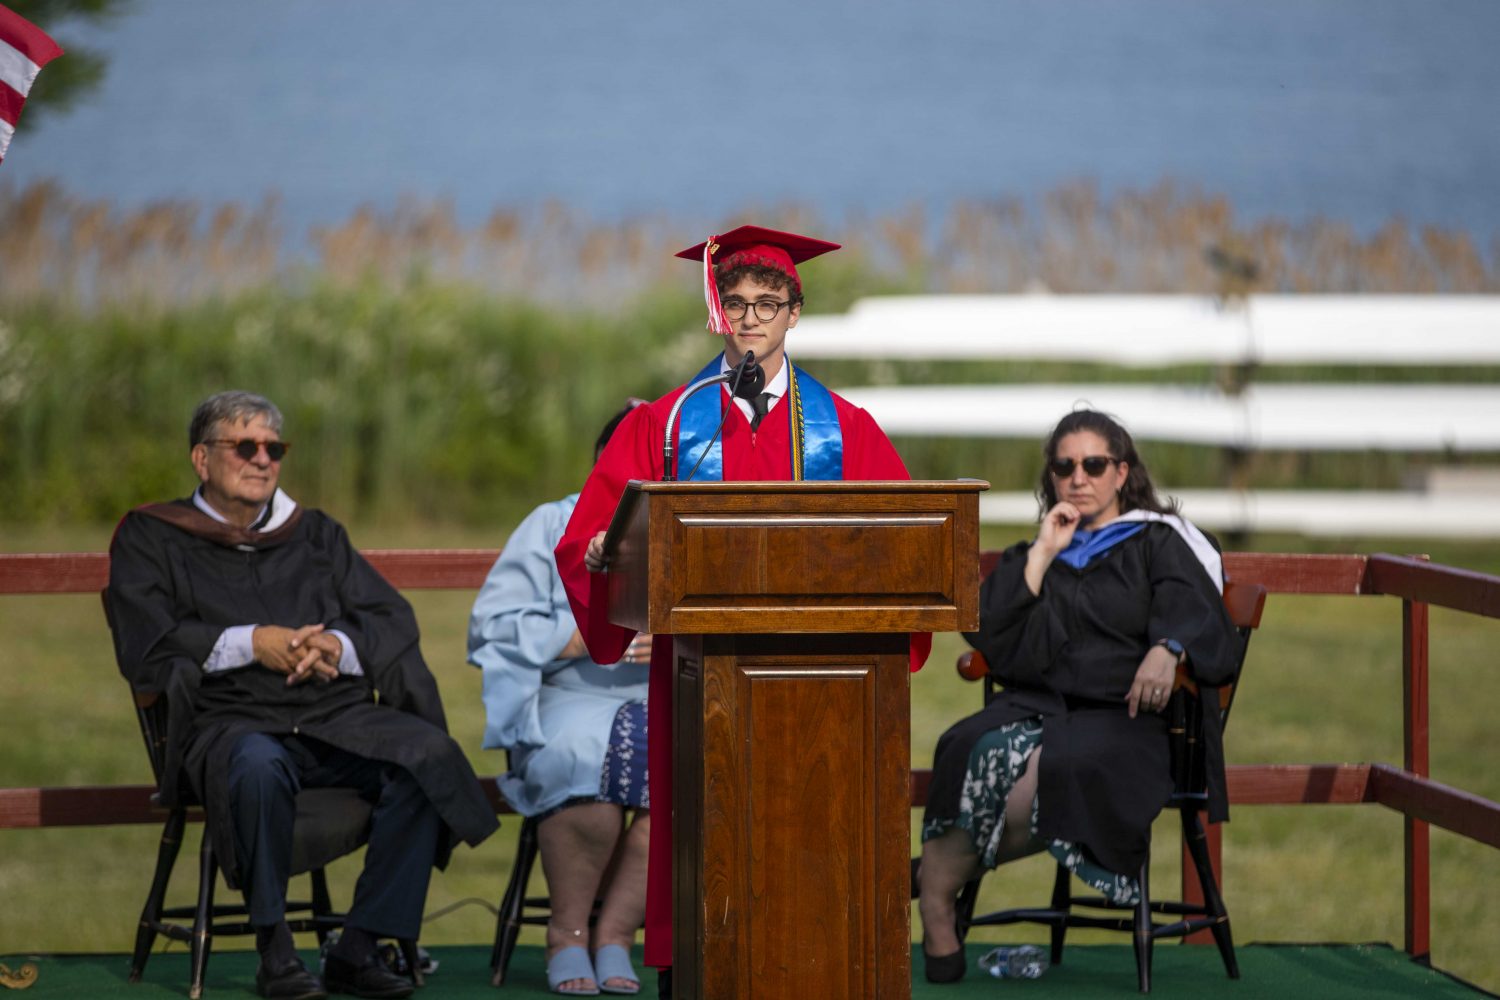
{"type": "Point", "coordinates": [300, 653]}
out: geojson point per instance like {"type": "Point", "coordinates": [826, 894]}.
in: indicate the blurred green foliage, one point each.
{"type": "Point", "coordinates": [441, 374]}
{"type": "Point", "coordinates": [426, 403]}
{"type": "Point", "coordinates": [440, 403]}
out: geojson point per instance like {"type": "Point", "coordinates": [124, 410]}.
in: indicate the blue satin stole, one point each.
{"type": "Point", "coordinates": [1087, 546]}
{"type": "Point", "coordinates": [817, 444]}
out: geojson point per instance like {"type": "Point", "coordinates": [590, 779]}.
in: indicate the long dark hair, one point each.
{"type": "Point", "coordinates": [1138, 493]}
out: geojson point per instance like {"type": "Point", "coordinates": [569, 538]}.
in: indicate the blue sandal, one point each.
{"type": "Point", "coordinates": [612, 961]}
{"type": "Point", "coordinates": [569, 964]}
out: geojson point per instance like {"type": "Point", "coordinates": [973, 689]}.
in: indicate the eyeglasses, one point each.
{"type": "Point", "coordinates": [1094, 465]}
{"type": "Point", "coordinates": [248, 448]}
{"type": "Point", "coordinates": [765, 309]}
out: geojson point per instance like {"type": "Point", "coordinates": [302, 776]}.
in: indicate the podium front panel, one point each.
{"type": "Point", "coordinates": [792, 823]}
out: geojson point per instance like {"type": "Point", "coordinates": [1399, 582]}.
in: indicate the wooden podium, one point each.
{"type": "Point", "coordinates": [790, 606]}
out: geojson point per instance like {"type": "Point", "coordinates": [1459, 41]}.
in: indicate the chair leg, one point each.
{"type": "Point", "coordinates": [508, 921]}
{"type": "Point", "coordinates": [1225, 940]}
{"type": "Point", "coordinates": [322, 905]}
{"type": "Point", "coordinates": [1193, 833]}
{"type": "Point", "coordinates": [968, 896]}
{"type": "Point", "coordinates": [1143, 940]}
{"type": "Point", "coordinates": [166, 857]}
{"type": "Point", "coordinates": [1062, 902]}
{"type": "Point", "coordinates": [413, 962]}
{"type": "Point", "coordinates": [203, 917]}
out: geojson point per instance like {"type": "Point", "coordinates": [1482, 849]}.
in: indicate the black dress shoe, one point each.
{"type": "Point", "coordinates": [369, 979]}
{"type": "Point", "coordinates": [288, 982]}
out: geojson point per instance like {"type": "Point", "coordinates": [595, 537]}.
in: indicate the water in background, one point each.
{"type": "Point", "coordinates": [1356, 110]}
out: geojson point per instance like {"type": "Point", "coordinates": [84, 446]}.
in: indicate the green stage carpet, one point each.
{"type": "Point", "coordinates": [1268, 972]}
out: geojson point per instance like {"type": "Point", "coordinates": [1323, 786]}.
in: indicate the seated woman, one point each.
{"type": "Point", "coordinates": [576, 732]}
{"type": "Point", "coordinates": [1085, 628]}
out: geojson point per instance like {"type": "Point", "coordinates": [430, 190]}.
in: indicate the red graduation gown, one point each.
{"type": "Point", "coordinates": [635, 452]}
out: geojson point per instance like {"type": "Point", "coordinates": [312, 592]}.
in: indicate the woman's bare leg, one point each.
{"type": "Point", "coordinates": [950, 860]}
{"type": "Point", "coordinates": [576, 845]}
{"type": "Point", "coordinates": [624, 909]}
{"type": "Point", "coordinates": [1016, 841]}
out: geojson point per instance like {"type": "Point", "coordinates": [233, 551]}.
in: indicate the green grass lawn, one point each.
{"type": "Point", "coordinates": [1322, 684]}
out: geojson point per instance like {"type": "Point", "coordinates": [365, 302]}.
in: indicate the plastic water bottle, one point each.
{"type": "Point", "coordinates": [1019, 961]}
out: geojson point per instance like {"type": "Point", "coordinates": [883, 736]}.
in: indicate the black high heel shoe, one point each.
{"type": "Point", "coordinates": [945, 968]}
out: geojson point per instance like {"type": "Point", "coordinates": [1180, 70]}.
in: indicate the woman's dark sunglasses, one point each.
{"type": "Point", "coordinates": [1094, 465]}
{"type": "Point", "coordinates": [246, 448]}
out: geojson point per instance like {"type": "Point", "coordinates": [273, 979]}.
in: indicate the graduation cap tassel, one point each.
{"type": "Point", "coordinates": [717, 321]}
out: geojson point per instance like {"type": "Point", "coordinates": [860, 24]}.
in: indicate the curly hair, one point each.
{"type": "Point", "coordinates": [1138, 493]}
{"type": "Point", "coordinates": [769, 276]}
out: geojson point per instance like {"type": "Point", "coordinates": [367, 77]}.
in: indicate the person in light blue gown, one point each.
{"type": "Point", "coordinates": [575, 732]}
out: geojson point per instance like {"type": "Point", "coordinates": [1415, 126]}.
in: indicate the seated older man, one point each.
{"type": "Point", "coordinates": [301, 669]}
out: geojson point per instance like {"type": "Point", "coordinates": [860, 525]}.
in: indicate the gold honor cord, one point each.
{"type": "Point", "coordinates": [796, 415]}
{"type": "Point", "coordinates": [21, 979]}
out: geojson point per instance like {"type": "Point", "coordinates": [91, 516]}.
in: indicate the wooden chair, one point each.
{"type": "Point", "coordinates": [515, 903]}
{"type": "Point", "coordinates": [1244, 603]}
{"type": "Point", "coordinates": [330, 823]}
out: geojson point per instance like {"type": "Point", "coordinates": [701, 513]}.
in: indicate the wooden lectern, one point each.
{"type": "Point", "coordinates": [790, 606]}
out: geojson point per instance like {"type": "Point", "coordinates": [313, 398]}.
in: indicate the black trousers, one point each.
{"type": "Point", "coordinates": [265, 775]}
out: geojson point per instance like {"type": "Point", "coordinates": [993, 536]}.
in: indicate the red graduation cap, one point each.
{"type": "Point", "coordinates": [751, 245]}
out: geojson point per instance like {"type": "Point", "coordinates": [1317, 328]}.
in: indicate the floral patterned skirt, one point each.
{"type": "Point", "coordinates": [623, 777]}
{"type": "Point", "coordinates": [995, 765]}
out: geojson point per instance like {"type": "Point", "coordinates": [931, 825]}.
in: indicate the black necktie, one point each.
{"type": "Point", "coordinates": [762, 404]}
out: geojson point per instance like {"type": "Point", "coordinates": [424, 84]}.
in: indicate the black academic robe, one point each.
{"type": "Point", "coordinates": [175, 587]}
{"type": "Point", "coordinates": [1070, 656]}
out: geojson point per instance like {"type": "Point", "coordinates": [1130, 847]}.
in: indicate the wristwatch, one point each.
{"type": "Point", "coordinates": [1175, 648]}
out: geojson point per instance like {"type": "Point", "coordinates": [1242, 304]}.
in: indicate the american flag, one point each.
{"type": "Point", "coordinates": [24, 50]}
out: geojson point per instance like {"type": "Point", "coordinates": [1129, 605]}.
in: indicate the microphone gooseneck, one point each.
{"type": "Point", "coordinates": [745, 377]}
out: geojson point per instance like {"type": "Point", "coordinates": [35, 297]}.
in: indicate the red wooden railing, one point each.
{"type": "Point", "coordinates": [1408, 789]}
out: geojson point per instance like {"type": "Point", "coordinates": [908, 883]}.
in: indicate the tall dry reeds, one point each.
{"type": "Point", "coordinates": [59, 248]}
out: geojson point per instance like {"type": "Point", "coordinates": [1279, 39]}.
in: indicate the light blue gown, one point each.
{"type": "Point", "coordinates": [554, 716]}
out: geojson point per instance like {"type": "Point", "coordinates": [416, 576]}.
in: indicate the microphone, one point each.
{"type": "Point", "coordinates": [745, 380]}
{"type": "Point", "coordinates": [752, 378]}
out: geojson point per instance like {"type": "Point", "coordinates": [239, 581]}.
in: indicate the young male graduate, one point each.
{"type": "Point", "coordinates": [796, 429]}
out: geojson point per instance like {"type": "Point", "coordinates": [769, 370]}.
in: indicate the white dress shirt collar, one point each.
{"type": "Point", "coordinates": [281, 508]}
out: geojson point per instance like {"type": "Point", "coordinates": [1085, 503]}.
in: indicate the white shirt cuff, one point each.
{"type": "Point", "coordinates": [235, 648]}
{"type": "Point", "coordinates": [348, 660]}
